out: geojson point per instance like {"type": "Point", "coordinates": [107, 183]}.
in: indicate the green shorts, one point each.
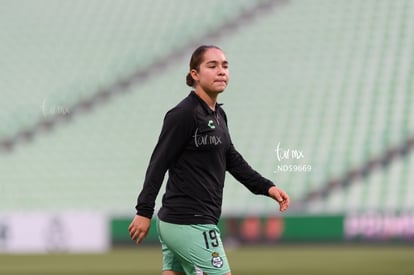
{"type": "Point", "coordinates": [193, 249]}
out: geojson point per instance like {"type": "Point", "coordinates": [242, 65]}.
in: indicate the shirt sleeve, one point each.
{"type": "Point", "coordinates": [176, 130]}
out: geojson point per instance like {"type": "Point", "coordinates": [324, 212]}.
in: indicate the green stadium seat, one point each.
{"type": "Point", "coordinates": [332, 79]}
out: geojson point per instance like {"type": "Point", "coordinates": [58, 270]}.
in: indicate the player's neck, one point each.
{"type": "Point", "coordinates": [209, 98]}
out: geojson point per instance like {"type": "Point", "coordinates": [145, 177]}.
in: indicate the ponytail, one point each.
{"type": "Point", "coordinates": [189, 80]}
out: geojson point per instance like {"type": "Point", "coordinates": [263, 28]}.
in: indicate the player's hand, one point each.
{"type": "Point", "coordinates": [280, 196]}
{"type": "Point", "coordinates": [139, 227]}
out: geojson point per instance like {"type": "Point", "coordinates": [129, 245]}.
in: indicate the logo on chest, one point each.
{"type": "Point", "coordinates": [211, 124]}
{"type": "Point", "coordinates": [206, 139]}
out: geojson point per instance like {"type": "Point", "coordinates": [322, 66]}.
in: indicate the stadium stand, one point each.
{"type": "Point", "coordinates": [86, 86]}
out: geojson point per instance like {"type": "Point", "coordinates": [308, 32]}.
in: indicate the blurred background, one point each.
{"type": "Point", "coordinates": [320, 101]}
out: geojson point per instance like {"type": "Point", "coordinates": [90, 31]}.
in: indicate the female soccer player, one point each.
{"type": "Point", "coordinates": [196, 149]}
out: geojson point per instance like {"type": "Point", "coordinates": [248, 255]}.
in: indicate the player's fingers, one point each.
{"type": "Point", "coordinates": [287, 200]}
{"type": "Point", "coordinates": [130, 226]}
{"type": "Point", "coordinates": [285, 197]}
{"type": "Point", "coordinates": [283, 194]}
{"type": "Point", "coordinates": [284, 207]}
{"type": "Point", "coordinates": [131, 232]}
{"type": "Point", "coordinates": [141, 237]}
{"type": "Point", "coordinates": [134, 234]}
{"type": "Point", "coordinates": [284, 203]}
{"type": "Point", "coordinates": [278, 197]}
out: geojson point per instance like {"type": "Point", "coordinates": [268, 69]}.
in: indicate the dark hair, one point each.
{"type": "Point", "coordinates": [195, 61]}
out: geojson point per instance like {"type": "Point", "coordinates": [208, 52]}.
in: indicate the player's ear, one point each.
{"type": "Point", "coordinates": [194, 74]}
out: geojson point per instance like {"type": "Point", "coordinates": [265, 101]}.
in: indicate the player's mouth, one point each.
{"type": "Point", "coordinates": [221, 81]}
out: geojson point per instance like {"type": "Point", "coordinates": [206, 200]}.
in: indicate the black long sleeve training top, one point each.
{"type": "Point", "coordinates": [196, 149]}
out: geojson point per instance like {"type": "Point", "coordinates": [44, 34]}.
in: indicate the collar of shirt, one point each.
{"type": "Point", "coordinates": [205, 106]}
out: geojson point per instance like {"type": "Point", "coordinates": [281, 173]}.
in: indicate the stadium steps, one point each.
{"type": "Point", "coordinates": [337, 91]}
{"type": "Point", "coordinates": [56, 57]}
{"type": "Point", "coordinates": [332, 79]}
{"type": "Point", "coordinates": [97, 159]}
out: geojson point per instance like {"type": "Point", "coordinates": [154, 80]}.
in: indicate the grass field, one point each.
{"type": "Point", "coordinates": [283, 259]}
